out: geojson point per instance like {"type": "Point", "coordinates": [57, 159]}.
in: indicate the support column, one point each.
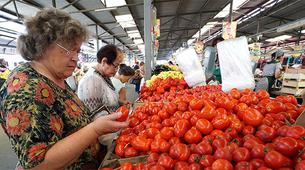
{"type": "Point", "coordinates": [147, 38]}
{"type": "Point", "coordinates": [97, 38]}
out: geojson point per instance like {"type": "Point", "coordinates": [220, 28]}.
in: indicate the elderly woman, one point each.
{"type": "Point", "coordinates": [48, 126]}
{"type": "Point", "coordinates": [95, 88]}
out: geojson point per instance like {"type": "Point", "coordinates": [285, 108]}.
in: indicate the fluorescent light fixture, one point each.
{"type": "Point", "coordinates": [226, 10]}
{"type": "Point", "coordinates": [279, 38]}
{"type": "Point", "coordinates": [132, 31]}
{"type": "Point", "coordinates": [12, 26]}
{"type": "Point", "coordinates": [292, 25]}
{"type": "Point", "coordinates": [124, 18]}
{"type": "Point", "coordinates": [111, 3]}
{"type": "Point", "coordinates": [128, 24]}
{"type": "Point", "coordinates": [138, 41]}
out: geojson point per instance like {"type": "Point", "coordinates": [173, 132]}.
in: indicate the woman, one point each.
{"type": "Point", "coordinates": [118, 81]}
{"type": "Point", "coordinates": [45, 121]}
{"type": "Point", "coordinates": [95, 88]}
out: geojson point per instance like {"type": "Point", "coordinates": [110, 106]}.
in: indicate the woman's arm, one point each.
{"type": "Point", "coordinates": [66, 151]}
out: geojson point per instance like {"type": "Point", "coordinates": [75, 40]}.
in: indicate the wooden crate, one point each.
{"type": "Point", "coordinates": [292, 90]}
{"type": "Point", "coordinates": [293, 76]}
{"type": "Point", "coordinates": [292, 70]}
{"type": "Point", "coordinates": [293, 83]}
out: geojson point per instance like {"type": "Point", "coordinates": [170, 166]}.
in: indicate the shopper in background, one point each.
{"type": "Point", "coordinates": [4, 71]}
{"type": "Point", "coordinates": [123, 75]}
{"type": "Point", "coordinates": [142, 68]}
{"type": "Point", "coordinates": [272, 69]}
{"type": "Point", "coordinates": [95, 89]}
{"type": "Point", "coordinates": [48, 126]}
{"type": "Point", "coordinates": [217, 72]}
{"type": "Point", "coordinates": [136, 80]}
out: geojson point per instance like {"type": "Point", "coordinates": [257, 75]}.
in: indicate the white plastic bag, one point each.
{"type": "Point", "coordinates": [191, 67]}
{"type": "Point", "coordinates": [235, 64]}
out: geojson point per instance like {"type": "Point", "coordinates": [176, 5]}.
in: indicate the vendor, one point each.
{"type": "Point", "coordinates": [272, 69]}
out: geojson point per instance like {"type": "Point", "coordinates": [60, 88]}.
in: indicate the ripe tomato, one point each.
{"type": "Point", "coordinates": [207, 160]}
{"type": "Point", "coordinates": [181, 127]}
{"type": "Point", "coordinates": [248, 130]}
{"type": "Point", "coordinates": [223, 153]}
{"type": "Point", "coordinates": [139, 166]}
{"type": "Point", "coordinates": [224, 102]}
{"type": "Point", "coordinates": [120, 149]}
{"type": "Point", "coordinates": [222, 164]}
{"type": "Point", "coordinates": [152, 157]}
{"type": "Point", "coordinates": [257, 163]}
{"type": "Point", "coordinates": [152, 132]}
{"type": "Point", "coordinates": [300, 165]}
{"type": "Point", "coordinates": [124, 111]}
{"type": "Point", "coordinates": [204, 148]}
{"type": "Point", "coordinates": [159, 145]}
{"type": "Point", "coordinates": [167, 133]}
{"type": "Point", "coordinates": [166, 161]}
{"type": "Point", "coordinates": [244, 165]}
{"type": "Point", "coordinates": [258, 151]}
{"type": "Point", "coordinates": [275, 107]}
{"type": "Point", "coordinates": [179, 152]}
{"type": "Point", "coordinates": [163, 114]}
{"type": "Point", "coordinates": [266, 134]}
{"type": "Point", "coordinates": [194, 166]}
{"type": "Point", "coordinates": [219, 143]}
{"type": "Point", "coordinates": [234, 93]}
{"type": "Point", "coordinates": [288, 146]}
{"type": "Point", "coordinates": [220, 123]}
{"type": "Point", "coordinates": [141, 143]}
{"type": "Point", "coordinates": [241, 154]}
{"type": "Point", "coordinates": [170, 108]}
{"type": "Point", "coordinates": [194, 158]}
{"type": "Point", "coordinates": [174, 140]}
{"type": "Point", "coordinates": [133, 122]}
{"type": "Point", "coordinates": [262, 94]}
{"type": "Point", "coordinates": [130, 152]}
{"type": "Point", "coordinates": [126, 166]}
{"type": "Point", "coordinates": [196, 104]}
{"type": "Point", "coordinates": [253, 117]}
{"type": "Point", "coordinates": [296, 132]}
{"type": "Point", "coordinates": [204, 126]}
{"type": "Point", "coordinates": [208, 112]}
{"type": "Point", "coordinates": [275, 159]}
{"type": "Point", "coordinates": [192, 136]}
{"type": "Point", "coordinates": [194, 119]}
{"type": "Point", "coordinates": [182, 106]}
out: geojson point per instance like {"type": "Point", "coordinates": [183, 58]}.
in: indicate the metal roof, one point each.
{"type": "Point", "coordinates": [180, 19]}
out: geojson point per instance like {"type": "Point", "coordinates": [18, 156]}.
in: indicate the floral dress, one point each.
{"type": "Point", "coordinates": [35, 114]}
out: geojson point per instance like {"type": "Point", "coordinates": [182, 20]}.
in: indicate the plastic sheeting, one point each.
{"type": "Point", "coordinates": [191, 67]}
{"type": "Point", "coordinates": [235, 64]}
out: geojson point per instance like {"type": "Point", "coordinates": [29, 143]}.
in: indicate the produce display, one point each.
{"type": "Point", "coordinates": [205, 128]}
{"type": "Point", "coordinates": [164, 75]}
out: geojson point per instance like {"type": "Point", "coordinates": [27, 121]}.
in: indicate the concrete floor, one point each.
{"type": "Point", "coordinates": [8, 159]}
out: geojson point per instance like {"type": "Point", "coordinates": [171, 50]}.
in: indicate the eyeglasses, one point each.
{"type": "Point", "coordinates": [115, 66]}
{"type": "Point", "coordinates": [68, 52]}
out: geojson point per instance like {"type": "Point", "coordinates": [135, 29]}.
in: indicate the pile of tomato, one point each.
{"type": "Point", "coordinates": [170, 88]}
{"type": "Point", "coordinates": [240, 130]}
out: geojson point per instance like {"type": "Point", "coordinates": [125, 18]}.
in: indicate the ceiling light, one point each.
{"type": "Point", "coordinates": [138, 41]}
{"type": "Point", "coordinates": [279, 38]}
{"type": "Point", "coordinates": [134, 35]}
{"type": "Point", "coordinates": [111, 3]}
{"type": "Point", "coordinates": [124, 18]}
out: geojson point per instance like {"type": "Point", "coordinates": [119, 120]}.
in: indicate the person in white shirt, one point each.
{"type": "Point", "coordinates": [123, 75]}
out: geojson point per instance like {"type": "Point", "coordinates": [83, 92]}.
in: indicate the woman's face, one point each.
{"type": "Point", "coordinates": [62, 60]}
{"type": "Point", "coordinates": [110, 70]}
{"type": "Point", "coordinates": [125, 79]}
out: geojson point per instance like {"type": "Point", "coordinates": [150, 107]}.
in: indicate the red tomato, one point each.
{"type": "Point", "coordinates": [181, 165]}
{"type": "Point", "coordinates": [219, 143]}
{"type": "Point", "coordinates": [133, 122]}
{"type": "Point", "coordinates": [262, 94]}
{"type": "Point", "coordinates": [179, 152]}
{"type": "Point", "coordinates": [222, 164]}
{"type": "Point", "coordinates": [194, 119]}
{"type": "Point", "coordinates": [204, 148]}
{"type": "Point", "coordinates": [300, 165]}
{"type": "Point", "coordinates": [266, 134]}
{"type": "Point", "coordinates": [207, 160]}
{"type": "Point", "coordinates": [152, 132]}
{"type": "Point", "coordinates": [181, 127]}
{"type": "Point", "coordinates": [248, 130]}
{"type": "Point", "coordinates": [182, 106]}
{"type": "Point", "coordinates": [252, 117]}
{"type": "Point", "coordinates": [124, 111]}
{"type": "Point", "coordinates": [196, 104]}
{"type": "Point", "coordinates": [171, 108]}
{"type": "Point", "coordinates": [296, 132]}
{"type": "Point", "coordinates": [275, 107]}
{"type": "Point", "coordinates": [192, 136]}
{"type": "Point", "coordinates": [224, 102]}
{"type": "Point", "coordinates": [275, 159]}
{"type": "Point", "coordinates": [235, 93]}
{"type": "Point", "coordinates": [257, 163]}
{"type": "Point", "coordinates": [163, 114]}
{"type": "Point", "coordinates": [166, 161]}
{"type": "Point", "coordinates": [208, 112]}
{"type": "Point", "coordinates": [159, 145]}
{"type": "Point", "coordinates": [194, 158]}
{"type": "Point", "coordinates": [288, 146]}
{"type": "Point", "coordinates": [139, 166]}
{"type": "Point", "coordinates": [244, 165]}
{"type": "Point", "coordinates": [194, 166]}
{"type": "Point", "coordinates": [167, 133]}
{"type": "Point", "coordinates": [174, 140]}
{"type": "Point", "coordinates": [258, 151]}
{"type": "Point", "coordinates": [220, 123]}
{"type": "Point", "coordinates": [130, 152]}
{"type": "Point", "coordinates": [223, 153]}
{"type": "Point", "coordinates": [152, 157]}
{"type": "Point", "coordinates": [120, 149]}
{"type": "Point", "coordinates": [141, 143]}
{"type": "Point", "coordinates": [241, 154]}
{"type": "Point", "coordinates": [126, 166]}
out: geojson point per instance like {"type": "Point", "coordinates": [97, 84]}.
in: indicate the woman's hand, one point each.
{"type": "Point", "coordinates": [108, 124]}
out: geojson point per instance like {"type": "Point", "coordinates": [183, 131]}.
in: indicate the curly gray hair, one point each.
{"type": "Point", "coordinates": [46, 27]}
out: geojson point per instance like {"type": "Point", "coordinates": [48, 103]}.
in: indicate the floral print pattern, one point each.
{"type": "Point", "coordinates": [36, 113]}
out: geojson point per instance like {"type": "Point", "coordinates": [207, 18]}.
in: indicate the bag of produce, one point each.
{"type": "Point", "coordinates": [192, 70]}
{"type": "Point", "coordinates": [235, 64]}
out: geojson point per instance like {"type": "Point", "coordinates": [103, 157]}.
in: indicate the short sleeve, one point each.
{"type": "Point", "coordinates": [28, 119]}
{"type": "Point", "coordinates": [278, 66]}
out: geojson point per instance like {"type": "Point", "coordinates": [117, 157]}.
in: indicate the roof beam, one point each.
{"type": "Point", "coordinates": [6, 3]}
